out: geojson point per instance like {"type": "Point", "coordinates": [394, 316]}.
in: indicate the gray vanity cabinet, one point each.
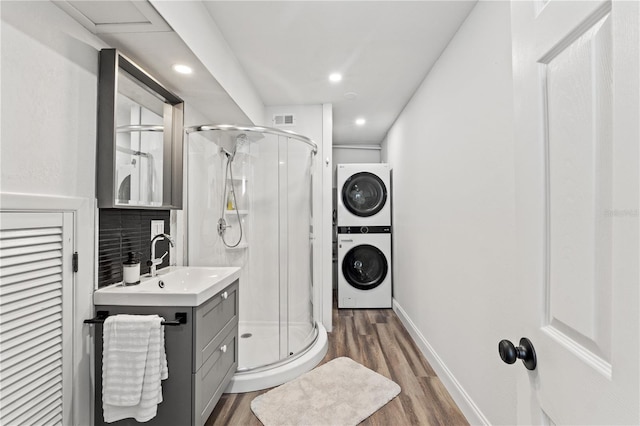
{"type": "Point", "coordinates": [202, 356]}
{"type": "Point", "coordinates": [215, 355]}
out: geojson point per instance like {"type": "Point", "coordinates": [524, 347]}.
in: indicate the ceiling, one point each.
{"type": "Point", "coordinates": [383, 49]}
{"type": "Point", "coordinates": [287, 49]}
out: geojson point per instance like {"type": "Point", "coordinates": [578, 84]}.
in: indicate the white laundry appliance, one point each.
{"type": "Point", "coordinates": [364, 194]}
{"type": "Point", "coordinates": [364, 267]}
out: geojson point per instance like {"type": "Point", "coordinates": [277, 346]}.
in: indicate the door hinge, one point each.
{"type": "Point", "coordinates": [74, 262]}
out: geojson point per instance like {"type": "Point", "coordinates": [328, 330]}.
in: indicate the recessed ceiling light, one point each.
{"type": "Point", "coordinates": [335, 77]}
{"type": "Point", "coordinates": [182, 69]}
{"type": "Point", "coordinates": [360, 121]}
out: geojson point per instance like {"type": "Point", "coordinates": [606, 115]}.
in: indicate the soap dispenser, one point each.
{"type": "Point", "coordinates": [131, 269]}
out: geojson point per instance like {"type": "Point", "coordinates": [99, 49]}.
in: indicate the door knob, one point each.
{"type": "Point", "coordinates": [509, 353]}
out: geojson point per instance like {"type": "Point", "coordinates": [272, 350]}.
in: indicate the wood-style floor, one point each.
{"type": "Point", "coordinates": [376, 339]}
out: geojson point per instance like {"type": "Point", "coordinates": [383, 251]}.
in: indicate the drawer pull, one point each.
{"type": "Point", "coordinates": [224, 295]}
{"type": "Point", "coordinates": [223, 349]}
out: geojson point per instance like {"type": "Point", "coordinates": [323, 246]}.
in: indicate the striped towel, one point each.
{"type": "Point", "coordinates": [134, 362]}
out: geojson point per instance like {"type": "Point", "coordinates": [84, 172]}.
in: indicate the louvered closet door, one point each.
{"type": "Point", "coordinates": [35, 318]}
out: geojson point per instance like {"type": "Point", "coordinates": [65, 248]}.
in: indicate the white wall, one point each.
{"type": "Point", "coordinates": [48, 141]}
{"type": "Point", "coordinates": [452, 158]}
{"type": "Point", "coordinates": [49, 92]}
{"type": "Point", "coordinates": [315, 122]}
{"type": "Point", "coordinates": [343, 155]}
{"type": "Point", "coordinates": [207, 199]}
{"type": "Point", "coordinates": [192, 22]}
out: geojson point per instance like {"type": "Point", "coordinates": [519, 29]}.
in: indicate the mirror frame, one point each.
{"type": "Point", "coordinates": [111, 63]}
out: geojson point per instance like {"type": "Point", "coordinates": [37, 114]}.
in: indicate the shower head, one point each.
{"type": "Point", "coordinates": [229, 144]}
{"type": "Point", "coordinates": [229, 138]}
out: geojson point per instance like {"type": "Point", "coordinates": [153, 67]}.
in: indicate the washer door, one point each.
{"type": "Point", "coordinates": [364, 267]}
{"type": "Point", "coordinates": [364, 194]}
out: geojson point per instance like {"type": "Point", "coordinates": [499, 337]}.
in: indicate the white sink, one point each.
{"type": "Point", "coordinates": [173, 286]}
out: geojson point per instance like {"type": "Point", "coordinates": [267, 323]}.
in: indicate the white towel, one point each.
{"type": "Point", "coordinates": [134, 362]}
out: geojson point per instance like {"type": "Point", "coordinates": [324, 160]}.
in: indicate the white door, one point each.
{"type": "Point", "coordinates": [576, 93]}
{"type": "Point", "coordinates": [35, 318]}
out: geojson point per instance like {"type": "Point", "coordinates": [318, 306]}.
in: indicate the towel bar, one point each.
{"type": "Point", "coordinates": [181, 318]}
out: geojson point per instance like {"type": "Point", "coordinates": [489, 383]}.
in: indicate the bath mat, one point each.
{"type": "Point", "coordinates": [340, 392]}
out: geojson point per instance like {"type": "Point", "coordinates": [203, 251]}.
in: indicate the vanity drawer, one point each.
{"type": "Point", "coordinates": [213, 321]}
{"type": "Point", "coordinates": [214, 376]}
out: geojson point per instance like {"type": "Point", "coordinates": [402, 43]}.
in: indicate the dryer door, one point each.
{"type": "Point", "coordinates": [364, 194]}
{"type": "Point", "coordinates": [365, 267]}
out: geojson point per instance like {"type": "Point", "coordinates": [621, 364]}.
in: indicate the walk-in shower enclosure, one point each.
{"type": "Point", "coordinates": [249, 204]}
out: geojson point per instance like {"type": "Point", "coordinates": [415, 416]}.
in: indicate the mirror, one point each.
{"type": "Point", "coordinates": [140, 138]}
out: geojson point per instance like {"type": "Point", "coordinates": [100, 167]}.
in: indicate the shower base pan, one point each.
{"type": "Point", "coordinates": [263, 378]}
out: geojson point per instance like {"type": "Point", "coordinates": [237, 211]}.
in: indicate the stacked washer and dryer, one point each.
{"type": "Point", "coordinates": [364, 235]}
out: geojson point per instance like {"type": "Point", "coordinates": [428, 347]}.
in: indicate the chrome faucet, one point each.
{"type": "Point", "coordinates": [153, 262]}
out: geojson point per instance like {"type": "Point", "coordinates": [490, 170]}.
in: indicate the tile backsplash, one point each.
{"type": "Point", "coordinates": [121, 231]}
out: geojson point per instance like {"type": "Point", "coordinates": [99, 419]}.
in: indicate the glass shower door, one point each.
{"type": "Point", "coordinates": [272, 178]}
{"type": "Point", "coordinates": [299, 327]}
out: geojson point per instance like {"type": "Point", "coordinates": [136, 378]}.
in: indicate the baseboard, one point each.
{"type": "Point", "coordinates": [457, 392]}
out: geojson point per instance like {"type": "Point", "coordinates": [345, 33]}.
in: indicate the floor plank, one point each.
{"type": "Point", "coordinates": [377, 339]}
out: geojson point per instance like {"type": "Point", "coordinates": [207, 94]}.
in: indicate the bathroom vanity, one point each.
{"type": "Point", "coordinates": [201, 344]}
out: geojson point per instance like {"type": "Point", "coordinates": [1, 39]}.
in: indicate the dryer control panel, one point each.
{"type": "Point", "coordinates": [364, 229]}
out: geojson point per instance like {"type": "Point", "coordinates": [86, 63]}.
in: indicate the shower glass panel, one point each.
{"type": "Point", "coordinates": [298, 209]}
{"type": "Point", "coordinates": [249, 205]}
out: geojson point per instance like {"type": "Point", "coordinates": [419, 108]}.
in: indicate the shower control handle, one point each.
{"type": "Point", "coordinates": [224, 295]}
